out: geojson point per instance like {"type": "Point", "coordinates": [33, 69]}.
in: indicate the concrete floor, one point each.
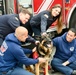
{"type": "Point", "coordinates": [51, 72]}
{"type": "Point", "coordinates": [56, 73]}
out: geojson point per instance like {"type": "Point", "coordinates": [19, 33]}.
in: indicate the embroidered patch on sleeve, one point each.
{"type": "Point", "coordinates": [3, 47]}
{"type": "Point", "coordinates": [46, 15]}
{"type": "Point", "coordinates": [16, 18]}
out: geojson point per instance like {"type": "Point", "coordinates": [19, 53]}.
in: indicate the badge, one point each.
{"type": "Point", "coordinates": [71, 48]}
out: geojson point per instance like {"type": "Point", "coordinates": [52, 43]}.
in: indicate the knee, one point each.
{"type": "Point", "coordinates": [53, 63]}
{"type": "Point", "coordinates": [56, 62]}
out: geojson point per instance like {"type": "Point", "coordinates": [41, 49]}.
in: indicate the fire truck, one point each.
{"type": "Point", "coordinates": [36, 6]}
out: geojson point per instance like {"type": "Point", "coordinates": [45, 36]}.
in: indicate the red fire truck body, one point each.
{"type": "Point", "coordinates": [36, 6]}
{"type": "Point", "coordinates": [68, 10]}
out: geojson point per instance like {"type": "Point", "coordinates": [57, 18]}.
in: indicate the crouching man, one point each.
{"type": "Point", "coordinates": [11, 53]}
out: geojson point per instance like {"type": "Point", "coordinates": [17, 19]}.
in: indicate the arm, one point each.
{"type": "Point", "coordinates": [43, 23]}
{"type": "Point", "coordinates": [30, 39]}
{"type": "Point", "coordinates": [13, 22]}
{"type": "Point", "coordinates": [71, 59]}
{"type": "Point", "coordinates": [27, 51]}
{"type": "Point", "coordinates": [65, 63]}
{"type": "Point", "coordinates": [21, 57]}
{"type": "Point", "coordinates": [55, 44]}
{"type": "Point", "coordinates": [55, 41]}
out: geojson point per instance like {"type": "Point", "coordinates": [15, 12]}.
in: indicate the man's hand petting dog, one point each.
{"type": "Point", "coordinates": [34, 49]}
{"type": "Point", "coordinates": [37, 42]}
{"type": "Point", "coordinates": [44, 34]}
{"type": "Point", "coordinates": [42, 60]}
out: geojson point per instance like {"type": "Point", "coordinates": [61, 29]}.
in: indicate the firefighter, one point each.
{"type": "Point", "coordinates": [8, 23]}
{"type": "Point", "coordinates": [64, 59]}
{"type": "Point", "coordinates": [42, 21]}
{"type": "Point", "coordinates": [11, 53]}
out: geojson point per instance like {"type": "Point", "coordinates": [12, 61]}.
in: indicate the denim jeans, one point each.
{"type": "Point", "coordinates": [67, 70]}
{"type": "Point", "coordinates": [17, 71]}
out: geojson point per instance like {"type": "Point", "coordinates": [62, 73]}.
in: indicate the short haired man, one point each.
{"type": "Point", "coordinates": [11, 53]}
{"type": "Point", "coordinates": [9, 22]}
{"type": "Point", "coordinates": [65, 56]}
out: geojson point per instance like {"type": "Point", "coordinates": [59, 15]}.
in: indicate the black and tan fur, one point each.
{"type": "Point", "coordinates": [44, 49]}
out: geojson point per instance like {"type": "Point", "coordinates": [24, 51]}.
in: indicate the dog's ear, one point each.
{"type": "Point", "coordinates": [47, 38]}
{"type": "Point", "coordinates": [43, 41]}
{"type": "Point", "coordinates": [42, 49]}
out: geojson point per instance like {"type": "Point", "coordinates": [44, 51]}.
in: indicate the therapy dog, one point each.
{"type": "Point", "coordinates": [44, 49]}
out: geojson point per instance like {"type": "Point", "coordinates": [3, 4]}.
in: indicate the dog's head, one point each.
{"type": "Point", "coordinates": [45, 46]}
